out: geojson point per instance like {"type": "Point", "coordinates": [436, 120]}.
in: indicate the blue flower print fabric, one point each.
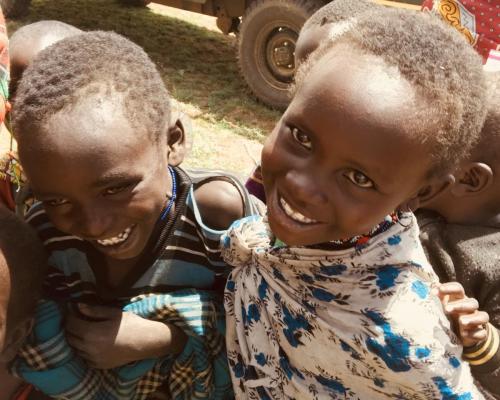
{"type": "Point", "coordinates": [361, 323]}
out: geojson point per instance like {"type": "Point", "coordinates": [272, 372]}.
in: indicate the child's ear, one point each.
{"type": "Point", "coordinates": [472, 179]}
{"type": "Point", "coordinates": [176, 143]}
{"type": "Point", "coordinates": [428, 193]}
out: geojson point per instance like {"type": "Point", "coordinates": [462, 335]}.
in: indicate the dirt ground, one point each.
{"type": "Point", "coordinates": [220, 149]}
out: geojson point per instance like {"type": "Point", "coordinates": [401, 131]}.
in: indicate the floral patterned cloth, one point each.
{"type": "Point", "coordinates": [11, 178]}
{"type": "Point", "coordinates": [359, 323]}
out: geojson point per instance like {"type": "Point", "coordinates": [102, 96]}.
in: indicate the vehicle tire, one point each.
{"type": "Point", "coordinates": [136, 3]}
{"type": "Point", "coordinates": [266, 48]}
{"type": "Point", "coordinates": [15, 8]}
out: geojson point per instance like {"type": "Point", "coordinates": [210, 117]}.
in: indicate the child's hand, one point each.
{"type": "Point", "coordinates": [471, 324]}
{"type": "Point", "coordinates": [112, 338]}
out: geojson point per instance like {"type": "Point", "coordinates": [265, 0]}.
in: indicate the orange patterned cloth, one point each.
{"type": "Point", "coordinates": [477, 20]}
{"type": "Point", "coordinates": [11, 179]}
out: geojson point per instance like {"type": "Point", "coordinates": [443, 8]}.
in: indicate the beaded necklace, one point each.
{"type": "Point", "coordinates": [358, 242]}
{"type": "Point", "coordinates": [171, 201]}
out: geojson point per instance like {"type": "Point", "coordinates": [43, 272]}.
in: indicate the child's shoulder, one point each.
{"type": "Point", "coordinates": [221, 198]}
{"type": "Point", "coordinates": [468, 247]}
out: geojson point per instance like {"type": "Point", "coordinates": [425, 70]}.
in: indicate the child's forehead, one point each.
{"type": "Point", "coordinates": [85, 134]}
{"type": "Point", "coordinates": [349, 76]}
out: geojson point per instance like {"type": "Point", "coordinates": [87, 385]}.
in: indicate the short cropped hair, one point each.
{"type": "Point", "coordinates": [443, 68]}
{"type": "Point", "coordinates": [488, 148]}
{"type": "Point", "coordinates": [29, 40]}
{"type": "Point", "coordinates": [338, 11]}
{"type": "Point", "coordinates": [74, 67]}
{"type": "Point", "coordinates": [25, 261]}
{"type": "Point", "coordinates": [34, 31]}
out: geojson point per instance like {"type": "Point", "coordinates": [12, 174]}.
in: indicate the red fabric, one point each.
{"type": "Point", "coordinates": [23, 393]}
{"type": "Point", "coordinates": [477, 20]}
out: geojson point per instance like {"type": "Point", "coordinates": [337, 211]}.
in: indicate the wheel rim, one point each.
{"type": "Point", "coordinates": [280, 53]}
{"type": "Point", "coordinates": [275, 47]}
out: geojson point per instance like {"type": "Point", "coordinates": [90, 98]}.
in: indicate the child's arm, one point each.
{"type": "Point", "coordinates": [220, 204]}
{"type": "Point", "coordinates": [470, 323]}
{"type": "Point", "coordinates": [107, 338]}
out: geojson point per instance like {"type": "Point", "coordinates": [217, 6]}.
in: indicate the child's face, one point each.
{"type": "Point", "coordinates": [342, 156]}
{"type": "Point", "coordinates": [98, 177]}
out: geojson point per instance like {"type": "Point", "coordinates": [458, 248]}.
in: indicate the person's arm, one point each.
{"type": "Point", "coordinates": [107, 337]}
{"type": "Point", "coordinates": [469, 322]}
{"type": "Point", "coordinates": [9, 385]}
{"type": "Point", "coordinates": [220, 204]}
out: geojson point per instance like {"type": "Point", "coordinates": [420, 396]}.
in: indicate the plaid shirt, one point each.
{"type": "Point", "coordinates": [200, 371]}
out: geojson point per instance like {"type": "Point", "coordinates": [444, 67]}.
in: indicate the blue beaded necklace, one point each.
{"type": "Point", "coordinates": [171, 201]}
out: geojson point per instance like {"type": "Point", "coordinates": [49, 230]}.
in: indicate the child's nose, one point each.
{"type": "Point", "coordinates": [92, 223]}
{"type": "Point", "coordinates": [305, 188]}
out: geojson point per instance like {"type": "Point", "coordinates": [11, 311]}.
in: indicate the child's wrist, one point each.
{"type": "Point", "coordinates": [162, 339]}
{"type": "Point", "coordinates": [482, 352]}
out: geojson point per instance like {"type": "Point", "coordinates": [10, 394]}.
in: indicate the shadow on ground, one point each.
{"type": "Point", "coordinates": [198, 65]}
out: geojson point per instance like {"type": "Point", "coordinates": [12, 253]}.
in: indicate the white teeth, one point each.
{"type": "Point", "coordinates": [117, 239]}
{"type": "Point", "coordinates": [295, 215]}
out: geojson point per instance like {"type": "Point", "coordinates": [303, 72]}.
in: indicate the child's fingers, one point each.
{"type": "Point", "coordinates": [464, 306]}
{"type": "Point", "coordinates": [477, 320]}
{"type": "Point", "coordinates": [479, 335]}
{"type": "Point", "coordinates": [471, 337]}
{"type": "Point", "coordinates": [452, 289]}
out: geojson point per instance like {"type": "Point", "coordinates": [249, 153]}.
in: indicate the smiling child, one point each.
{"type": "Point", "coordinates": [330, 297]}
{"type": "Point", "coordinates": [125, 228]}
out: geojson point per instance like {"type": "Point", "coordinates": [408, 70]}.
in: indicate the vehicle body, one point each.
{"type": "Point", "coordinates": [267, 31]}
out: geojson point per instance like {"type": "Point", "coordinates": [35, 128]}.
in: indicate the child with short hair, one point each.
{"type": "Point", "coordinates": [125, 228]}
{"type": "Point", "coordinates": [461, 236]}
{"type": "Point", "coordinates": [25, 44]}
{"type": "Point", "coordinates": [326, 23]}
{"type": "Point", "coordinates": [331, 21]}
{"type": "Point", "coordinates": [330, 295]}
{"type": "Point", "coordinates": [29, 40]}
{"type": "Point", "coordinates": [22, 269]}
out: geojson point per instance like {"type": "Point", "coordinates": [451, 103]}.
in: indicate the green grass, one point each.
{"type": "Point", "coordinates": [198, 65]}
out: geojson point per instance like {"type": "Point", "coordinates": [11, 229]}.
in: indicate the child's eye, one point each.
{"type": "Point", "coordinates": [302, 138]}
{"type": "Point", "coordinates": [359, 179]}
{"type": "Point", "coordinates": [56, 202]}
{"type": "Point", "coordinates": [116, 189]}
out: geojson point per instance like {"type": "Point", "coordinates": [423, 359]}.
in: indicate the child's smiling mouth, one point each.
{"type": "Point", "coordinates": [295, 215]}
{"type": "Point", "coordinates": [118, 239]}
